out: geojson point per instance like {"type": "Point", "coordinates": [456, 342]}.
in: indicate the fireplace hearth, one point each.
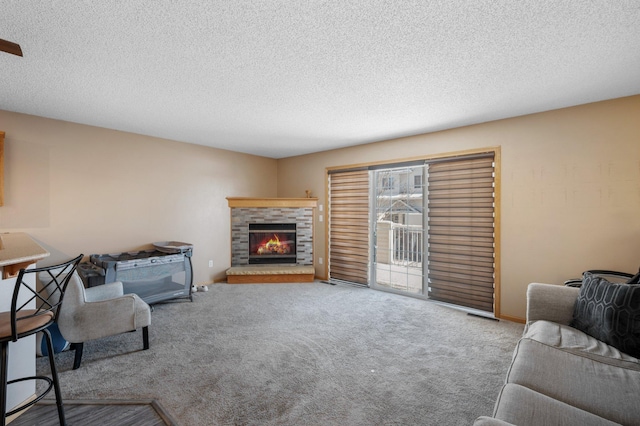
{"type": "Point", "coordinates": [272, 243]}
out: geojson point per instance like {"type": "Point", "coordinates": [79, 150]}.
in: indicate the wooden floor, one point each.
{"type": "Point", "coordinates": [102, 413]}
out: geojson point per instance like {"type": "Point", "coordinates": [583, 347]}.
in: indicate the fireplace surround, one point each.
{"type": "Point", "coordinates": [267, 212]}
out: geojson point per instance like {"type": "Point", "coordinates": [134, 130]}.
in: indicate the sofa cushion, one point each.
{"type": "Point", "coordinates": [525, 407]}
{"type": "Point", "coordinates": [609, 312]}
{"type": "Point", "coordinates": [573, 340]}
{"type": "Point", "coordinates": [490, 421]}
{"type": "Point", "coordinates": [608, 391]}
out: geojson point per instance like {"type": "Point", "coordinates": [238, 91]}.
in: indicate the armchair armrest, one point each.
{"type": "Point", "coordinates": [104, 292]}
{"type": "Point", "coordinates": [551, 302]}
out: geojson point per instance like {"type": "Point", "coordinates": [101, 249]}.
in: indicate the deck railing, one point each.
{"type": "Point", "coordinates": [407, 244]}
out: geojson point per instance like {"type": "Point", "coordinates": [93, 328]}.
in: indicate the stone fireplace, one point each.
{"type": "Point", "coordinates": [287, 217]}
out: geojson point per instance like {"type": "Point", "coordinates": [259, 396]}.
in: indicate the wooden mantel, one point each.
{"type": "Point", "coordinates": [272, 202]}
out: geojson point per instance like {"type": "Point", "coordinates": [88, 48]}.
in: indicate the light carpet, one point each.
{"type": "Point", "coordinates": [294, 354]}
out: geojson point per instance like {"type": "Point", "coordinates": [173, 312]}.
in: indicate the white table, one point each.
{"type": "Point", "coordinates": [18, 250]}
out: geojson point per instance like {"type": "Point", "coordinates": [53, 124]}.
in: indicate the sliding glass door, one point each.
{"type": "Point", "coordinates": [397, 224]}
{"type": "Point", "coordinates": [425, 228]}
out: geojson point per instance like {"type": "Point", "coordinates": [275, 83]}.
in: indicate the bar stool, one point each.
{"type": "Point", "coordinates": [23, 320]}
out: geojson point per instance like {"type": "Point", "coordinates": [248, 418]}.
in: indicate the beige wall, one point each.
{"type": "Point", "coordinates": [82, 189]}
{"type": "Point", "coordinates": [570, 189]}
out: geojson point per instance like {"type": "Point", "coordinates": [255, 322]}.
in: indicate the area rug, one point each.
{"type": "Point", "coordinates": [98, 412]}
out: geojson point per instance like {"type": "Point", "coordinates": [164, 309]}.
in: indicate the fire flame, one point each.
{"type": "Point", "coordinates": [274, 246]}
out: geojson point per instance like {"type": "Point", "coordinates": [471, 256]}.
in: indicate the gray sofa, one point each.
{"type": "Point", "coordinates": [562, 376]}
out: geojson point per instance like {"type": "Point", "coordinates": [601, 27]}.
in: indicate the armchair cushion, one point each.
{"type": "Point", "coordinates": [610, 313]}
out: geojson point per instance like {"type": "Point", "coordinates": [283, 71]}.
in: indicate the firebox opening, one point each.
{"type": "Point", "coordinates": [272, 243]}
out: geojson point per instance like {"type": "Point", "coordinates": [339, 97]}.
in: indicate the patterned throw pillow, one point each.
{"type": "Point", "coordinates": [610, 313]}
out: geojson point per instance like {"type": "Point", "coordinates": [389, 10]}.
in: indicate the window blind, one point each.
{"type": "Point", "coordinates": [461, 232]}
{"type": "Point", "coordinates": [349, 226]}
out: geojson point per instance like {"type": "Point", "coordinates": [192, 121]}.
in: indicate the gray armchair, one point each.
{"type": "Point", "coordinates": [101, 311]}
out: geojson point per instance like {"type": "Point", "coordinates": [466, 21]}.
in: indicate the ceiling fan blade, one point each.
{"type": "Point", "coordinates": [9, 47]}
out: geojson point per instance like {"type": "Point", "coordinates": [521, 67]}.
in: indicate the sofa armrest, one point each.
{"type": "Point", "coordinates": [551, 302]}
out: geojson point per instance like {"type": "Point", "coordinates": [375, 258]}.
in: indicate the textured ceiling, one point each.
{"type": "Point", "coordinates": [279, 78]}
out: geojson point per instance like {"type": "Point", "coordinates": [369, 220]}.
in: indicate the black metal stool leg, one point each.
{"type": "Point", "coordinates": [4, 358]}
{"type": "Point", "coordinates": [145, 337]}
{"type": "Point", "coordinates": [54, 377]}
{"type": "Point", "coordinates": [77, 347]}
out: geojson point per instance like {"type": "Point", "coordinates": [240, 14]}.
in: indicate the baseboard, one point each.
{"type": "Point", "coordinates": [513, 319]}
{"type": "Point", "coordinates": [269, 278]}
